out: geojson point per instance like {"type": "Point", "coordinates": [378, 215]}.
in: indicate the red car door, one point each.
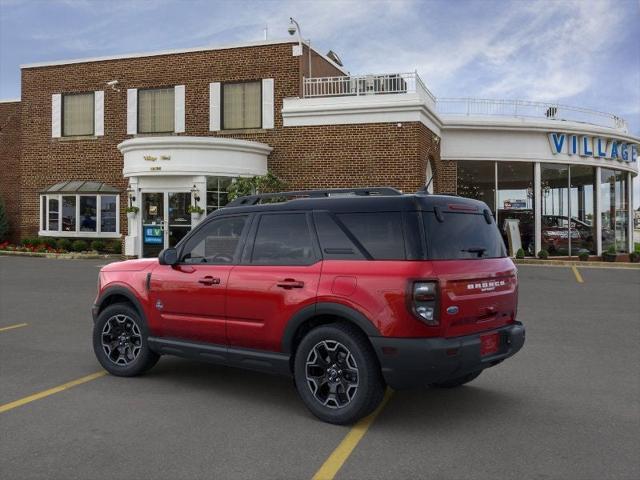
{"type": "Point", "coordinates": [278, 275]}
{"type": "Point", "coordinates": [189, 298]}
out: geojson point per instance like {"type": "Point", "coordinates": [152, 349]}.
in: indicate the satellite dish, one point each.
{"type": "Point", "coordinates": [333, 56]}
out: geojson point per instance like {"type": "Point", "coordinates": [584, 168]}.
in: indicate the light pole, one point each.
{"type": "Point", "coordinates": [294, 27]}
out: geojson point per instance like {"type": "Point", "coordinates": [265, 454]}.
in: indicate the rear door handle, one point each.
{"type": "Point", "coordinates": [209, 280]}
{"type": "Point", "coordinates": [289, 283]}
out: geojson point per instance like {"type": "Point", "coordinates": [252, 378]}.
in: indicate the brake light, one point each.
{"type": "Point", "coordinates": [424, 299]}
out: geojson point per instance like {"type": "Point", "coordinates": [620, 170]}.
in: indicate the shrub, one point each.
{"type": "Point", "coordinates": [47, 242]}
{"type": "Point", "coordinates": [611, 249]}
{"type": "Point", "coordinates": [114, 247]}
{"type": "Point", "coordinates": [634, 257]}
{"type": "Point", "coordinates": [79, 246]}
{"type": "Point", "coordinates": [520, 253]}
{"type": "Point", "coordinates": [242, 186]}
{"type": "Point", "coordinates": [29, 242]}
{"type": "Point", "coordinates": [4, 222]}
{"type": "Point", "coordinates": [543, 254]}
{"type": "Point", "coordinates": [583, 256]}
{"type": "Point", "coordinates": [98, 245]}
{"type": "Point", "coordinates": [64, 244]}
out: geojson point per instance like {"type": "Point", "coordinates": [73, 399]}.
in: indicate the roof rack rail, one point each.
{"type": "Point", "coordinates": [361, 192]}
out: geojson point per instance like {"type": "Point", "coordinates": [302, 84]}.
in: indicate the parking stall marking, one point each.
{"type": "Point", "coordinates": [334, 463]}
{"type": "Point", "coordinates": [11, 327]}
{"type": "Point", "coordinates": [60, 388]}
{"type": "Point", "coordinates": [577, 274]}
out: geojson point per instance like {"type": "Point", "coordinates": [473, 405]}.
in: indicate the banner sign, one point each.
{"type": "Point", "coordinates": [153, 235]}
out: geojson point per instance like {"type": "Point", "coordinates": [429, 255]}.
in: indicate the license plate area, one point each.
{"type": "Point", "coordinates": [489, 344]}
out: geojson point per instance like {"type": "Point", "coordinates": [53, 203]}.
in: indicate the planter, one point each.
{"type": "Point", "coordinates": [195, 217]}
{"type": "Point", "coordinates": [634, 257]}
{"type": "Point", "coordinates": [131, 216]}
{"type": "Point", "coordinates": [609, 257]}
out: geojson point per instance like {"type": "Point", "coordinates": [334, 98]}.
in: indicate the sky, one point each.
{"type": "Point", "coordinates": [584, 53]}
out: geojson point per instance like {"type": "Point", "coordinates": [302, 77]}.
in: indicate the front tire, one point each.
{"type": "Point", "coordinates": [337, 374]}
{"type": "Point", "coordinates": [120, 341]}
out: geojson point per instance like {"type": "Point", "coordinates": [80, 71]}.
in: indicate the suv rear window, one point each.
{"type": "Point", "coordinates": [462, 236]}
{"type": "Point", "coordinates": [380, 233]}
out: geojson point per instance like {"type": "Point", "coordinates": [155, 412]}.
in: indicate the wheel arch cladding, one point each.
{"type": "Point", "coordinates": [320, 314]}
{"type": "Point", "coordinates": [113, 295]}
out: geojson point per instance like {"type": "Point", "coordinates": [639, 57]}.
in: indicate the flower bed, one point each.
{"type": "Point", "coordinates": [48, 245]}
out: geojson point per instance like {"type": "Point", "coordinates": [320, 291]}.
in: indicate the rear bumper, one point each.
{"type": "Point", "coordinates": [417, 362]}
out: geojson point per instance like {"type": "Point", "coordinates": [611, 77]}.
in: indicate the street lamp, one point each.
{"type": "Point", "coordinates": [294, 27]}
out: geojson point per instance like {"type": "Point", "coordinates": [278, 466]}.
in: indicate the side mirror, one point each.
{"type": "Point", "coordinates": [168, 256]}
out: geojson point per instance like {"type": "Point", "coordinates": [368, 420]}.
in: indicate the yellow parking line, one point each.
{"type": "Point", "coordinates": [11, 327]}
{"type": "Point", "coordinates": [334, 463]}
{"type": "Point", "coordinates": [577, 274]}
{"type": "Point", "coordinates": [37, 396]}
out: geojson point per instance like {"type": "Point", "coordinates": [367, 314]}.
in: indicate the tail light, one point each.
{"type": "Point", "coordinates": [424, 302]}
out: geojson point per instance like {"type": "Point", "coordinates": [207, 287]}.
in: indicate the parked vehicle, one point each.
{"type": "Point", "coordinates": [345, 290]}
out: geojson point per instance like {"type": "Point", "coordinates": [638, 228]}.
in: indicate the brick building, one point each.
{"type": "Point", "coordinates": [165, 130]}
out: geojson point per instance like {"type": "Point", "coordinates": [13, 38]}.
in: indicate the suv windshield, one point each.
{"type": "Point", "coordinates": [462, 236]}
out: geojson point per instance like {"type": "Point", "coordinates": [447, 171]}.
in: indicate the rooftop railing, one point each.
{"type": "Point", "coordinates": [528, 109]}
{"type": "Point", "coordinates": [357, 85]}
{"type": "Point", "coordinates": [402, 83]}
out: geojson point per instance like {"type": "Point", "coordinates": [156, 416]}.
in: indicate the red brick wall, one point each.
{"type": "Point", "coordinates": [10, 163]}
{"type": "Point", "coordinates": [319, 156]}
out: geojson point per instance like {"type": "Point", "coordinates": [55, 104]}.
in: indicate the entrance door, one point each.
{"type": "Point", "coordinates": [165, 220]}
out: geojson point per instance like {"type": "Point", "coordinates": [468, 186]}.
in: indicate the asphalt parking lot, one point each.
{"type": "Point", "coordinates": [567, 406]}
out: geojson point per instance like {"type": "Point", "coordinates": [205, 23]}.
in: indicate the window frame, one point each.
{"type": "Point", "coordinates": [204, 225]}
{"type": "Point", "coordinates": [163, 132]}
{"type": "Point", "coordinates": [247, 253]}
{"type": "Point", "coordinates": [93, 117]}
{"type": "Point", "coordinates": [77, 233]}
{"type": "Point", "coordinates": [222, 87]}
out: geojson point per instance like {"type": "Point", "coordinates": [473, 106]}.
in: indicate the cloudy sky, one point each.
{"type": "Point", "coordinates": [580, 52]}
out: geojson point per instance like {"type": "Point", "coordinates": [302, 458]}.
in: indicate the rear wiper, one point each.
{"type": "Point", "coordinates": [479, 250]}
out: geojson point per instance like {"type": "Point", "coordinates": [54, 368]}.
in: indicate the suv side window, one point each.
{"type": "Point", "coordinates": [283, 239]}
{"type": "Point", "coordinates": [380, 233]}
{"type": "Point", "coordinates": [334, 242]}
{"type": "Point", "coordinates": [215, 243]}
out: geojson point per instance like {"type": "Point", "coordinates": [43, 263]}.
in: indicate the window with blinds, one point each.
{"type": "Point", "coordinates": [241, 105]}
{"type": "Point", "coordinates": [156, 110]}
{"type": "Point", "coordinates": [77, 114]}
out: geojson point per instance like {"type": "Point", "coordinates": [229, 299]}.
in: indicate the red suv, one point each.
{"type": "Point", "coordinates": [345, 290]}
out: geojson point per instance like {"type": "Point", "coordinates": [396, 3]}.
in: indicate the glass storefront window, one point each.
{"type": "Point", "coordinates": [108, 213]}
{"type": "Point", "coordinates": [217, 192]}
{"type": "Point", "coordinates": [69, 213]}
{"type": "Point", "coordinates": [477, 180]}
{"type": "Point", "coordinates": [88, 213]}
{"type": "Point", "coordinates": [614, 210]}
{"type": "Point", "coordinates": [53, 213]}
{"type": "Point", "coordinates": [554, 181]}
{"type": "Point", "coordinates": [516, 202]}
{"type": "Point", "coordinates": [581, 203]}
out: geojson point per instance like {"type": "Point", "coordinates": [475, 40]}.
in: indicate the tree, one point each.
{"type": "Point", "coordinates": [4, 222]}
{"type": "Point", "coordinates": [243, 186]}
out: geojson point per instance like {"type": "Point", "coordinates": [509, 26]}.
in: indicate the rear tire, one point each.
{"type": "Point", "coordinates": [120, 341]}
{"type": "Point", "coordinates": [458, 381]}
{"type": "Point", "coordinates": [337, 374]}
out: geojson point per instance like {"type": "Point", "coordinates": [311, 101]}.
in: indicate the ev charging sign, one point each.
{"type": "Point", "coordinates": [596, 147]}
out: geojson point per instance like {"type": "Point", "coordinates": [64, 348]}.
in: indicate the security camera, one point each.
{"type": "Point", "coordinates": [112, 83]}
{"type": "Point", "coordinates": [292, 29]}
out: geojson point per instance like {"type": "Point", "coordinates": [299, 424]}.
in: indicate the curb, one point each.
{"type": "Point", "coordinates": [62, 256]}
{"type": "Point", "coordinates": [574, 263]}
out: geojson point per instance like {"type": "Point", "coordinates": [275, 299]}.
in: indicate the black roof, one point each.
{"type": "Point", "coordinates": [344, 200]}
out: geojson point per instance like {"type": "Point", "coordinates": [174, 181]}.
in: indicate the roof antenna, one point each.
{"type": "Point", "coordinates": [425, 189]}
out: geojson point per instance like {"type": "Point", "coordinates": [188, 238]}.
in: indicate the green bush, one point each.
{"type": "Point", "coordinates": [29, 242]}
{"type": "Point", "coordinates": [114, 247]}
{"type": "Point", "coordinates": [64, 244]}
{"type": "Point", "coordinates": [243, 186]}
{"type": "Point", "coordinates": [583, 256]}
{"type": "Point", "coordinates": [611, 249]}
{"type": "Point", "coordinates": [47, 242]}
{"type": "Point", "coordinates": [634, 257]}
{"type": "Point", "coordinates": [543, 254]}
{"type": "Point", "coordinates": [4, 222]}
{"type": "Point", "coordinates": [79, 246]}
{"type": "Point", "coordinates": [520, 253]}
{"type": "Point", "coordinates": [98, 245]}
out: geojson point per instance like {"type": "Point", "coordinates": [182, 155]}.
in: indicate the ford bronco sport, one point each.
{"type": "Point", "coordinates": [344, 290]}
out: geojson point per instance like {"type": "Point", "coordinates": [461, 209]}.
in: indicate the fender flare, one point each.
{"type": "Point", "coordinates": [118, 290]}
{"type": "Point", "coordinates": [325, 308]}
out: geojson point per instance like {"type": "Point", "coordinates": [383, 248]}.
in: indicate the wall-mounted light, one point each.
{"type": "Point", "coordinates": [132, 197]}
{"type": "Point", "coordinates": [195, 193]}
